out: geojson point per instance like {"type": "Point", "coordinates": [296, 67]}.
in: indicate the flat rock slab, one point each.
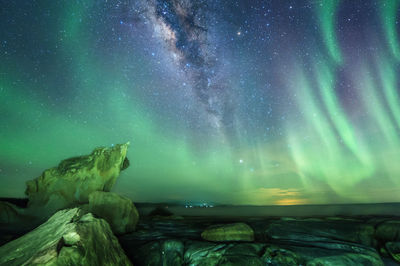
{"type": "Point", "coordinates": [321, 254]}
{"type": "Point", "coordinates": [228, 232]}
{"type": "Point", "coordinates": [69, 237]}
{"type": "Point", "coordinates": [312, 230]}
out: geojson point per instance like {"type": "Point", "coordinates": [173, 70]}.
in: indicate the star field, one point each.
{"type": "Point", "coordinates": [244, 102]}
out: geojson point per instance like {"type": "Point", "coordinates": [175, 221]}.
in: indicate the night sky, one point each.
{"type": "Point", "coordinates": [240, 102]}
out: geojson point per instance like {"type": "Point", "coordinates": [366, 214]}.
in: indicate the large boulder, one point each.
{"type": "Point", "coordinates": [70, 183]}
{"type": "Point", "coordinates": [228, 232]}
{"type": "Point", "coordinates": [118, 211]}
{"type": "Point", "coordinates": [69, 237]}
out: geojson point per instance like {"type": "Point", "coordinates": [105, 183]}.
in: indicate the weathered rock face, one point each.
{"type": "Point", "coordinates": [228, 232]}
{"type": "Point", "coordinates": [69, 237]}
{"type": "Point", "coordinates": [118, 211]}
{"type": "Point", "coordinates": [71, 182]}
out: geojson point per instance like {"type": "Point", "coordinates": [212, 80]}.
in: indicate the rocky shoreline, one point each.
{"type": "Point", "coordinates": [72, 218]}
{"type": "Point", "coordinates": [277, 241]}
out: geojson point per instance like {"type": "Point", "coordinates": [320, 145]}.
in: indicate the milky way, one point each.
{"type": "Point", "coordinates": [185, 28]}
{"type": "Point", "coordinates": [244, 102]}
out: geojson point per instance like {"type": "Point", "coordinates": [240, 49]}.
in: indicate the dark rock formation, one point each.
{"type": "Point", "coordinates": [118, 211]}
{"type": "Point", "coordinates": [69, 237]}
{"type": "Point", "coordinates": [228, 232]}
{"type": "Point", "coordinates": [206, 253]}
{"type": "Point", "coordinates": [19, 202]}
{"type": "Point", "coordinates": [168, 252]}
{"type": "Point", "coordinates": [286, 241]}
{"type": "Point", "coordinates": [321, 253]}
{"type": "Point", "coordinates": [71, 182]}
{"type": "Point", "coordinates": [9, 213]}
{"type": "Point", "coordinates": [160, 211]}
{"type": "Point", "coordinates": [388, 230]}
{"type": "Point", "coordinates": [316, 229]}
{"type": "Point", "coordinates": [394, 250]}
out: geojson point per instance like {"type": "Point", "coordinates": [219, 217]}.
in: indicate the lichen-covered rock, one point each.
{"type": "Point", "coordinates": [69, 237]}
{"type": "Point", "coordinates": [118, 211]}
{"type": "Point", "coordinates": [228, 232]}
{"type": "Point", "coordinates": [71, 182]}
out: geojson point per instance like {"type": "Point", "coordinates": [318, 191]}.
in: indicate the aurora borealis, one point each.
{"type": "Point", "coordinates": [240, 102]}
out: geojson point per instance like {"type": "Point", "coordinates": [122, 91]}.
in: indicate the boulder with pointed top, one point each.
{"type": "Point", "coordinates": [70, 183]}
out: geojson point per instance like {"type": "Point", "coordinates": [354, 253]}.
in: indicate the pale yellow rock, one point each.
{"type": "Point", "coordinates": [228, 232]}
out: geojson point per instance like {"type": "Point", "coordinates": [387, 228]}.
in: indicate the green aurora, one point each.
{"type": "Point", "coordinates": [339, 141]}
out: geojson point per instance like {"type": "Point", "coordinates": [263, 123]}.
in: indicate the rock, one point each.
{"type": "Point", "coordinates": [229, 232]}
{"type": "Point", "coordinates": [70, 183]}
{"type": "Point", "coordinates": [69, 237]}
{"type": "Point", "coordinates": [19, 202]}
{"type": "Point", "coordinates": [150, 230]}
{"type": "Point", "coordinates": [388, 231]}
{"type": "Point", "coordinates": [321, 230]}
{"type": "Point", "coordinates": [168, 252]}
{"type": "Point", "coordinates": [346, 259]}
{"type": "Point", "coordinates": [307, 255]}
{"type": "Point", "coordinates": [394, 250]}
{"type": "Point", "coordinates": [160, 211]}
{"type": "Point", "coordinates": [13, 222]}
{"type": "Point", "coordinates": [279, 256]}
{"type": "Point", "coordinates": [9, 213]}
{"type": "Point", "coordinates": [118, 211]}
{"type": "Point", "coordinates": [212, 254]}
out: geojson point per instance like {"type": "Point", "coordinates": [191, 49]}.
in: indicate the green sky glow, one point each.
{"type": "Point", "coordinates": [326, 11]}
{"type": "Point", "coordinates": [389, 14]}
{"type": "Point", "coordinates": [330, 128]}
